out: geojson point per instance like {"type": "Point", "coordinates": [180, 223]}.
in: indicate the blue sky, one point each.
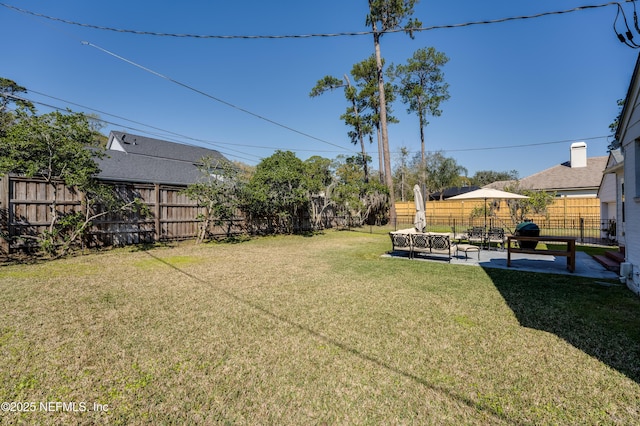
{"type": "Point", "coordinates": [521, 91]}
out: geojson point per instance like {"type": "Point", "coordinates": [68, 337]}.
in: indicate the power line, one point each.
{"type": "Point", "coordinates": [523, 145]}
{"type": "Point", "coordinates": [215, 144]}
{"type": "Point", "coordinates": [294, 36]}
{"type": "Point", "coordinates": [206, 141]}
{"type": "Point", "coordinates": [163, 135]}
{"type": "Point", "coordinates": [200, 92]}
{"type": "Point", "coordinates": [209, 142]}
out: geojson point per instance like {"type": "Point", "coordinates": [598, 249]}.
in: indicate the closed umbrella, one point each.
{"type": "Point", "coordinates": [420, 220]}
{"type": "Point", "coordinates": [486, 194]}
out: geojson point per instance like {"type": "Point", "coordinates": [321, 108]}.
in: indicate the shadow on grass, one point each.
{"type": "Point", "coordinates": [601, 319]}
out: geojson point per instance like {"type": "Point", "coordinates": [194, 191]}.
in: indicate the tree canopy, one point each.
{"type": "Point", "coordinates": [613, 127]}
{"type": "Point", "coordinates": [278, 188]}
{"type": "Point", "coordinates": [218, 192]}
{"type": "Point", "coordinates": [52, 146]}
{"type": "Point", "coordinates": [59, 148]}
{"type": "Point", "coordinates": [422, 86]}
{"type": "Point", "coordinates": [485, 177]}
{"type": "Point", "coordinates": [442, 173]}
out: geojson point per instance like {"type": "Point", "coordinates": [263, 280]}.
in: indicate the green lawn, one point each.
{"type": "Point", "coordinates": [312, 330]}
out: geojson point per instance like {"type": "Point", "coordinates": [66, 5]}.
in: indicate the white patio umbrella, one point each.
{"type": "Point", "coordinates": [486, 194]}
{"type": "Point", "coordinates": [420, 219]}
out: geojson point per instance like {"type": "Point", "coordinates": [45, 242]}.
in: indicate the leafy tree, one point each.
{"type": "Point", "coordinates": [10, 92]}
{"type": "Point", "coordinates": [59, 148]}
{"type": "Point", "coordinates": [442, 173]}
{"type": "Point", "coordinates": [364, 202]}
{"type": "Point", "coordinates": [51, 146]}
{"type": "Point", "coordinates": [383, 16]}
{"type": "Point", "coordinates": [537, 203]}
{"type": "Point", "coordinates": [277, 189]}
{"type": "Point", "coordinates": [217, 192]}
{"type": "Point", "coordinates": [352, 117]}
{"type": "Point", "coordinates": [319, 183]}
{"type": "Point", "coordinates": [365, 74]}
{"type": "Point", "coordinates": [615, 144]}
{"type": "Point", "coordinates": [404, 175]}
{"type": "Point", "coordinates": [318, 174]}
{"type": "Point", "coordinates": [422, 88]}
{"type": "Point", "coordinates": [10, 95]}
{"type": "Point", "coordinates": [485, 177]}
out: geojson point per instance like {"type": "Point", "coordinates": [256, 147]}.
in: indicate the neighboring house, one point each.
{"type": "Point", "coordinates": [153, 170]}
{"type": "Point", "coordinates": [452, 192]}
{"type": "Point", "coordinates": [608, 192]}
{"type": "Point", "coordinates": [138, 159]}
{"type": "Point", "coordinates": [628, 206]}
{"type": "Point", "coordinates": [578, 177]}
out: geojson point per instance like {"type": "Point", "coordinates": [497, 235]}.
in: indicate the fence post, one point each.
{"type": "Point", "coordinates": [156, 212]}
{"type": "Point", "coordinates": [4, 214]}
{"type": "Point", "coordinates": [582, 230]}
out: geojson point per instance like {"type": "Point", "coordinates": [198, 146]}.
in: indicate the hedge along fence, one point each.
{"type": "Point", "coordinates": [563, 209]}
{"type": "Point", "coordinates": [25, 211]}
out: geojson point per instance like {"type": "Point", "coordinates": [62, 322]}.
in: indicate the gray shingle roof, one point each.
{"type": "Point", "coordinates": [152, 161]}
{"type": "Point", "coordinates": [563, 177]}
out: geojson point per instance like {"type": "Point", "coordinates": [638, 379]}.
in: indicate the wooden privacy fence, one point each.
{"type": "Point", "coordinates": [564, 208]}
{"type": "Point", "coordinates": [25, 211]}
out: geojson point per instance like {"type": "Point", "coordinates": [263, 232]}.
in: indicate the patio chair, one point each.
{"type": "Point", "coordinates": [476, 235]}
{"type": "Point", "coordinates": [496, 235]}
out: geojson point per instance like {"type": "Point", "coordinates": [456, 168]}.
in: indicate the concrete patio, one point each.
{"type": "Point", "coordinates": [585, 265]}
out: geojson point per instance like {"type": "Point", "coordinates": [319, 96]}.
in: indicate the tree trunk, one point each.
{"type": "Point", "coordinates": [388, 177]}
{"type": "Point", "coordinates": [380, 156]}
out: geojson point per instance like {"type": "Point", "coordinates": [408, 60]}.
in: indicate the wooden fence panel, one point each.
{"type": "Point", "coordinates": [4, 215]}
{"type": "Point", "coordinates": [564, 208]}
{"type": "Point", "coordinates": [178, 214]}
{"type": "Point", "coordinates": [25, 211]}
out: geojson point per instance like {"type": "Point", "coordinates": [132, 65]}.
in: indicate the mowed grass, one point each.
{"type": "Point", "coordinates": [313, 330]}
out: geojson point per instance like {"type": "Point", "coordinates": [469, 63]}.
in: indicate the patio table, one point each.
{"type": "Point", "coordinates": [570, 251]}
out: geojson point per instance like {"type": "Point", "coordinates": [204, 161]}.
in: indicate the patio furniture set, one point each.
{"type": "Point", "coordinates": [429, 243]}
{"type": "Point", "coordinates": [446, 244]}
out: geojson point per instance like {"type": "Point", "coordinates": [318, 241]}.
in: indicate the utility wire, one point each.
{"type": "Point", "coordinates": [294, 36]}
{"type": "Point", "coordinates": [193, 89]}
{"type": "Point", "coordinates": [163, 135]}
{"type": "Point", "coordinates": [629, 35]}
{"type": "Point", "coordinates": [216, 144]}
{"type": "Point", "coordinates": [523, 145]}
{"type": "Point", "coordinates": [164, 131]}
{"type": "Point", "coordinates": [490, 148]}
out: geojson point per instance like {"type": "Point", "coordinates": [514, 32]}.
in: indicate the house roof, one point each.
{"type": "Point", "coordinates": [615, 161]}
{"type": "Point", "coordinates": [134, 158]}
{"type": "Point", "coordinates": [562, 177]}
{"type": "Point", "coordinates": [135, 144]}
{"type": "Point", "coordinates": [451, 192]}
